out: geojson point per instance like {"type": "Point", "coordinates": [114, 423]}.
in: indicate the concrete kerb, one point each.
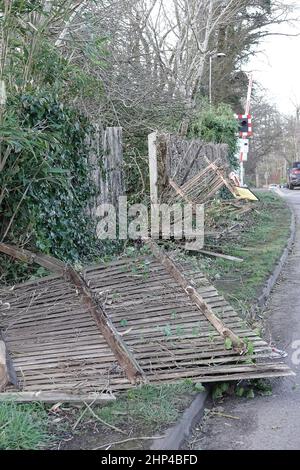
{"type": "Point", "coordinates": [177, 434]}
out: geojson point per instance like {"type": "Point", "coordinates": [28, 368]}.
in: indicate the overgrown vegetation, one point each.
{"type": "Point", "coordinates": [45, 178]}
{"type": "Point", "coordinates": [245, 389]}
{"type": "Point", "coordinates": [56, 88]}
{"type": "Point", "coordinates": [216, 124]}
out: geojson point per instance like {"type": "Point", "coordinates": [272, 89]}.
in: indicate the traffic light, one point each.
{"type": "Point", "coordinates": [244, 124]}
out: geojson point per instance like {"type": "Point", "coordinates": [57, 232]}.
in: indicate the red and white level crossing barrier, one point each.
{"type": "Point", "coordinates": [245, 125]}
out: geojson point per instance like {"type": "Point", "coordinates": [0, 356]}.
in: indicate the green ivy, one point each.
{"type": "Point", "coordinates": [53, 165]}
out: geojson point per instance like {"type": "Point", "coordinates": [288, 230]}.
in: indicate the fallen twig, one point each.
{"type": "Point", "coordinates": [81, 416]}
{"type": "Point", "coordinates": [102, 421]}
{"type": "Point", "coordinates": [217, 413]}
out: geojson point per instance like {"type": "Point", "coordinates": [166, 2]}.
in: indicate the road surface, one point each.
{"type": "Point", "coordinates": [271, 422]}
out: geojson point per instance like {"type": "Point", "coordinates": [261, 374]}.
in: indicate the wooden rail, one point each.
{"type": "Point", "coordinates": [7, 372]}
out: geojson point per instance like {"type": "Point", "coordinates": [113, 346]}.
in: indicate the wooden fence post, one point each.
{"type": "Point", "coordinates": [113, 165]}
{"type": "Point", "coordinates": [107, 166]}
{"type": "Point", "coordinates": [153, 171]}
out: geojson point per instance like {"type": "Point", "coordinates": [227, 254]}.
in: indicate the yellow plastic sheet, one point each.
{"type": "Point", "coordinates": [245, 193]}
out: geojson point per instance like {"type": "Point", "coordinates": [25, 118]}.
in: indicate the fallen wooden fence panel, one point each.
{"type": "Point", "coordinates": [189, 170]}
{"type": "Point", "coordinates": [58, 350]}
{"type": "Point", "coordinates": [204, 185]}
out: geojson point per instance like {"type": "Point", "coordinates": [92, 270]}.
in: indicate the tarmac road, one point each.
{"type": "Point", "coordinates": [272, 422]}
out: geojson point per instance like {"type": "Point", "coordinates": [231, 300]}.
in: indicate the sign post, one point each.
{"type": "Point", "coordinates": [243, 155]}
{"type": "Point", "coordinates": [245, 131]}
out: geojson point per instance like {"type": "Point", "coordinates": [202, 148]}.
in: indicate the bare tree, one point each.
{"type": "Point", "coordinates": [275, 142]}
{"type": "Point", "coordinates": [152, 55]}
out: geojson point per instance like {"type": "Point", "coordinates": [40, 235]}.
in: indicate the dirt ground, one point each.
{"type": "Point", "coordinates": [136, 430]}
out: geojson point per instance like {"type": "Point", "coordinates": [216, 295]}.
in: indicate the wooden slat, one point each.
{"type": "Point", "coordinates": [53, 397]}
{"type": "Point", "coordinates": [179, 191]}
{"type": "Point", "coordinates": [47, 262]}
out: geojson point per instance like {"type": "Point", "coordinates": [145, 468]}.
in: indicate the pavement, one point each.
{"type": "Point", "coordinates": [266, 422]}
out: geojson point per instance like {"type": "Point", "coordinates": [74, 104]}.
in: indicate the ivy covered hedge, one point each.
{"type": "Point", "coordinates": [45, 184]}
{"type": "Point", "coordinates": [47, 178]}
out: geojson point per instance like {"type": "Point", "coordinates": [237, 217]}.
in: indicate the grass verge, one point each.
{"type": "Point", "coordinates": [260, 246]}
{"type": "Point", "coordinates": [152, 405]}
{"type": "Point", "coordinates": [138, 412]}
{"type": "Point", "coordinates": [22, 427]}
{"type": "Point", "coordinates": [142, 412]}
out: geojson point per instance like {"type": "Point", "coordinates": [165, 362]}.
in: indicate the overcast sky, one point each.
{"type": "Point", "coordinates": [278, 67]}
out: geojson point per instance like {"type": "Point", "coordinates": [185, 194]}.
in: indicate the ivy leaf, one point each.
{"type": "Point", "coordinates": [199, 387]}
{"type": "Point", "coordinates": [239, 391]}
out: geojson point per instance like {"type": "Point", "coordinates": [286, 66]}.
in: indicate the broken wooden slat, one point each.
{"type": "Point", "coordinates": [202, 187]}
{"type": "Point", "coordinates": [211, 193]}
{"type": "Point", "coordinates": [56, 397]}
{"type": "Point", "coordinates": [195, 180]}
{"type": "Point", "coordinates": [213, 374]}
{"type": "Point", "coordinates": [221, 255]}
{"type": "Point", "coordinates": [191, 164]}
{"type": "Point", "coordinates": [179, 191]}
{"type": "Point", "coordinates": [195, 296]}
{"type": "Point", "coordinates": [27, 256]}
{"type": "Point", "coordinates": [226, 181]}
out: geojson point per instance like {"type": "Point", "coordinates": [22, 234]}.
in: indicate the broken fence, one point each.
{"type": "Point", "coordinates": [149, 319]}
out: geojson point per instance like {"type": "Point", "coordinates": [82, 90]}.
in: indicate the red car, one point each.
{"type": "Point", "coordinates": [293, 176]}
